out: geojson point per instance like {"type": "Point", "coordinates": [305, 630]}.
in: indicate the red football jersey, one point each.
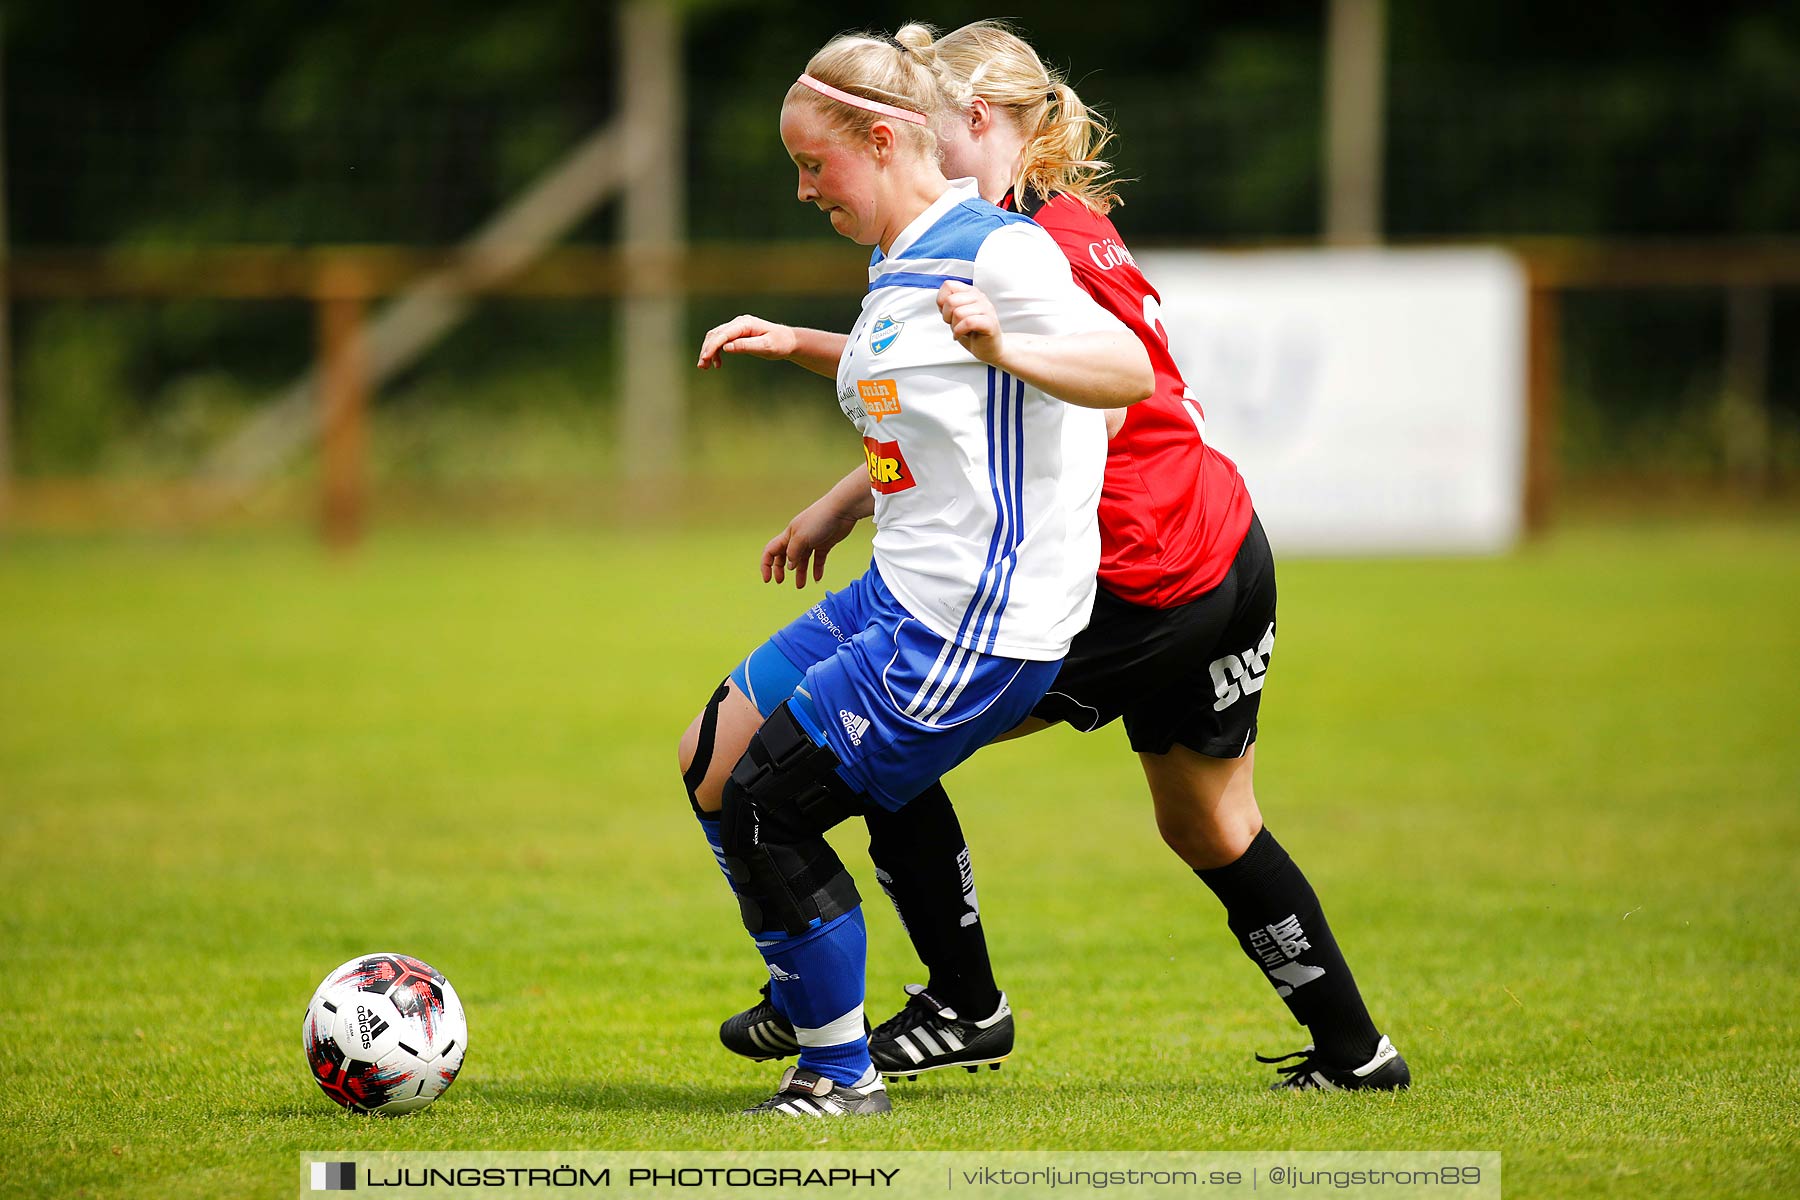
{"type": "Point", "coordinates": [1173, 510]}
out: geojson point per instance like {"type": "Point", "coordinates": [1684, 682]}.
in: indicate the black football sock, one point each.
{"type": "Point", "coordinates": [922, 863]}
{"type": "Point", "coordinates": [1277, 919]}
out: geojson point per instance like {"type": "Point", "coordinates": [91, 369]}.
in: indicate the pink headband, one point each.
{"type": "Point", "coordinates": [874, 106]}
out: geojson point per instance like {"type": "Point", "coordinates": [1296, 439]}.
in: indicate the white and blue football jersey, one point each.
{"type": "Point", "coordinates": [985, 488]}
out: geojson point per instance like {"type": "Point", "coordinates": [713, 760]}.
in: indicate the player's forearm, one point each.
{"type": "Point", "coordinates": [1104, 369]}
{"type": "Point", "coordinates": [850, 496]}
{"type": "Point", "coordinates": [818, 351]}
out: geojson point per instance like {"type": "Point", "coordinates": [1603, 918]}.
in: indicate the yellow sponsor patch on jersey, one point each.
{"type": "Point", "coordinates": [880, 397]}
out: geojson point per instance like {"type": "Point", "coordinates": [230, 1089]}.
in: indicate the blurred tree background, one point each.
{"type": "Point", "coordinates": [198, 122]}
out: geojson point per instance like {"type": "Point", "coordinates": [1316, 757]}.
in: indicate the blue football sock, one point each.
{"type": "Point", "coordinates": [818, 979]}
{"type": "Point", "coordinates": [710, 825]}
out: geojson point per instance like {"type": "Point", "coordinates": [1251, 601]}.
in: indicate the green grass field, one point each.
{"type": "Point", "coordinates": [1551, 803]}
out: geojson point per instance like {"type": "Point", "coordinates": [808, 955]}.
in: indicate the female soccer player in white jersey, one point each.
{"type": "Point", "coordinates": [1179, 642]}
{"type": "Point", "coordinates": [984, 491]}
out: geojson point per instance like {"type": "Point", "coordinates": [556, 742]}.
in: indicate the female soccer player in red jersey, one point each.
{"type": "Point", "coordinates": [1179, 643]}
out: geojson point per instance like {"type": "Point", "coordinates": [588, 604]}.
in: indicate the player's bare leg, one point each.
{"type": "Point", "coordinates": [734, 723]}
{"type": "Point", "coordinates": [1205, 807]}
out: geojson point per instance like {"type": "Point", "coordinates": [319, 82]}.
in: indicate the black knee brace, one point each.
{"type": "Point", "coordinates": [781, 798]}
{"type": "Point", "coordinates": [703, 749]}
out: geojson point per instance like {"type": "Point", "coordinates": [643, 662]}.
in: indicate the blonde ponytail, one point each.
{"type": "Point", "coordinates": [1063, 136]}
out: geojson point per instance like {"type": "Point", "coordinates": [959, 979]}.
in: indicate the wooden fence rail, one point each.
{"type": "Point", "coordinates": [343, 281]}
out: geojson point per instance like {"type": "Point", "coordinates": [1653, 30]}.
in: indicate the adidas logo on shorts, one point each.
{"type": "Point", "coordinates": [854, 725]}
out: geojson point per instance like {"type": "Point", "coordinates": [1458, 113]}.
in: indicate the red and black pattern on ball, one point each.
{"type": "Point", "coordinates": [418, 991]}
{"type": "Point", "coordinates": [415, 989]}
{"type": "Point", "coordinates": [332, 1080]}
{"type": "Point", "coordinates": [328, 1064]}
{"type": "Point", "coordinates": [376, 974]}
{"type": "Point", "coordinates": [447, 1073]}
{"type": "Point", "coordinates": [319, 1046]}
{"type": "Point", "coordinates": [375, 1086]}
{"type": "Point", "coordinates": [353, 1083]}
{"type": "Point", "coordinates": [360, 1085]}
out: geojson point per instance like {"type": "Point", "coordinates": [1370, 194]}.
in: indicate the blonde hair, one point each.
{"type": "Point", "coordinates": [901, 71]}
{"type": "Point", "coordinates": [1063, 136]}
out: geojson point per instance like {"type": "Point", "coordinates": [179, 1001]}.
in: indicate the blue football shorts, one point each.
{"type": "Point", "coordinates": [896, 703]}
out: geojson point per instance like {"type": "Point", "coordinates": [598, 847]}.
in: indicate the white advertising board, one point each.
{"type": "Point", "coordinates": [1373, 399]}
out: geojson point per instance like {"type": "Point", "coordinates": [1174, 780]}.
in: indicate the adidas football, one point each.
{"type": "Point", "coordinates": [384, 1034]}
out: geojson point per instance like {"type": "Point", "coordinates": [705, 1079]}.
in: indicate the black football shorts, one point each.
{"type": "Point", "coordinates": [1191, 674]}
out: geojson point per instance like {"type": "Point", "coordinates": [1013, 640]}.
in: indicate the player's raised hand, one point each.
{"type": "Point", "coordinates": [808, 537]}
{"type": "Point", "coordinates": [746, 335]}
{"type": "Point", "coordinates": [972, 319]}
